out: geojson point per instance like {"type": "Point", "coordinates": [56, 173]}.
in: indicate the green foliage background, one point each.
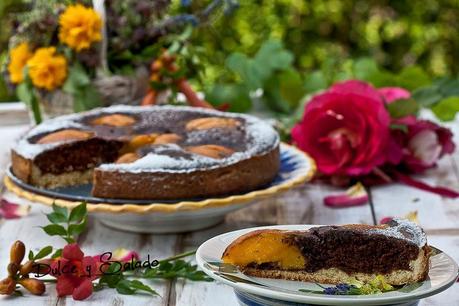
{"type": "Point", "coordinates": [326, 37]}
{"type": "Point", "coordinates": [396, 33]}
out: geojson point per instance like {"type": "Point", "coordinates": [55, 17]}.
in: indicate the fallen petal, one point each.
{"type": "Point", "coordinates": [10, 210]}
{"type": "Point", "coordinates": [385, 220]}
{"type": "Point", "coordinates": [125, 255]}
{"type": "Point", "coordinates": [354, 196]}
{"type": "Point", "coordinates": [412, 216]}
{"type": "Point", "coordinates": [443, 191]}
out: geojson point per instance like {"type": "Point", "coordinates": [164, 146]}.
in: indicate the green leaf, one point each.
{"type": "Point", "coordinates": [291, 87]}
{"type": "Point", "coordinates": [57, 253]}
{"type": "Point", "coordinates": [273, 98]}
{"type": "Point", "coordinates": [55, 230]}
{"type": "Point", "coordinates": [136, 284]}
{"type": "Point", "coordinates": [446, 109]}
{"type": "Point", "coordinates": [237, 95]}
{"type": "Point", "coordinates": [251, 74]}
{"type": "Point", "coordinates": [31, 255]}
{"type": "Point", "coordinates": [69, 239]}
{"type": "Point", "coordinates": [55, 217]}
{"type": "Point", "coordinates": [78, 213]}
{"type": "Point", "coordinates": [401, 127]}
{"type": "Point", "coordinates": [365, 68]}
{"type": "Point", "coordinates": [60, 210]}
{"type": "Point", "coordinates": [427, 96]}
{"type": "Point", "coordinates": [273, 54]}
{"type": "Point", "coordinates": [413, 77]}
{"type": "Point", "coordinates": [315, 81]}
{"type": "Point", "coordinates": [44, 252]}
{"type": "Point", "coordinates": [76, 229]}
{"type": "Point", "coordinates": [86, 98]}
{"type": "Point", "coordinates": [176, 269]}
{"type": "Point", "coordinates": [112, 276]}
{"type": "Point", "coordinates": [402, 108]}
{"type": "Point", "coordinates": [77, 78]}
{"type": "Point", "coordinates": [25, 93]}
{"type": "Point", "coordinates": [124, 287]}
{"type": "Point", "coordinates": [450, 88]}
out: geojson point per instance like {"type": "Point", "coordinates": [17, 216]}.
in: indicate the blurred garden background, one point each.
{"type": "Point", "coordinates": [291, 48]}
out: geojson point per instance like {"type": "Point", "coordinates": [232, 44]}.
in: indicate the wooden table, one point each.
{"type": "Point", "coordinates": [438, 216]}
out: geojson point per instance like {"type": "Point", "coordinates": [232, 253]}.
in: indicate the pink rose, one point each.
{"type": "Point", "coordinates": [391, 94]}
{"type": "Point", "coordinates": [423, 144]}
{"type": "Point", "coordinates": [346, 129]}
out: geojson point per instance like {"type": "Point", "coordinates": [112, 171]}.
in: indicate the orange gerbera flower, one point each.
{"type": "Point", "coordinates": [80, 26]}
{"type": "Point", "coordinates": [19, 56]}
{"type": "Point", "coordinates": [47, 69]}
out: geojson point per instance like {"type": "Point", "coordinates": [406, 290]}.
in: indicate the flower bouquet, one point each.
{"type": "Point", "coordinates": [69, 56]}
{"type": "Point", "coordinates": [359, 134]}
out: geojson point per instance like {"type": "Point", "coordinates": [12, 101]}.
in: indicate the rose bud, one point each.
{"type": "Point", "coordinates": [17, 252]}
{"type": "Point", "coordinates": [34, 286]}
{"type": "Point", "coordinates": [12, 269]}
{"type": "Point", "coordinates": [423, 144]}
{"type": "Point", "coordinates": [7, 286]}
{"type": "Point", "coordinates": [26, 268]}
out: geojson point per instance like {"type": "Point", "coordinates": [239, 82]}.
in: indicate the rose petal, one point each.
{"type": "Point", "coordinates": [385, 220]}
{"type": "Point", "coordinates": [445, 192]}
{"type": "Point", "coordinates": [83, 291]}
{"type": "Point", "coordinates": [356, 87]}
{"type": "Point", "coordinates": [392, 94]}
{"type": "Point", "coordinates": [354, 196]}
{"type": "Point", "coordinates": [412, 216]}
{"type": "Point", "coordinates": [10, 210]}
{"type": "Point", "coordinates": [72, 251]}
{"type": "Point", "coordinates": [125, 255]}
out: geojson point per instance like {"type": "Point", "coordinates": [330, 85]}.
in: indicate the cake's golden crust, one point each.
{"type": "Point", "coordinates": [240, 177]}
{"type": "Point", "coordinates": [22, 167]}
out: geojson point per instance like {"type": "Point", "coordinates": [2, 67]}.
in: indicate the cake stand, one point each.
{"type": "Point", "coordinates": [149, 216]}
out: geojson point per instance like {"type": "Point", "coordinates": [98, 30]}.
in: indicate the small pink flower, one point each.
{"type": "Point", "coordinates": [10, 210]}
{"type": "Point", "coordinates": [74, 273]}
{"type": "Point", "coordinates": [423, 144]}
{"type": "Point", "coordinates": [391, 94]}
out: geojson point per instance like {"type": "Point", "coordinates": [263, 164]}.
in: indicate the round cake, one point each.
{"type": "Point", "coordinates": [156, 152]}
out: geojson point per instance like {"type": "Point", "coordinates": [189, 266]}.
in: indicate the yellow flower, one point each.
{"type": "Point", "coordinates": [19, 56]}
{"type": "Point", "coordinates": [79, 27]}
{"type": "Point", "coordinates": [47, 69]}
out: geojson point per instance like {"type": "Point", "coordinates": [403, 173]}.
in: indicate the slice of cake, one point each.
{"type": "Point", "coordinates": [333, 254]}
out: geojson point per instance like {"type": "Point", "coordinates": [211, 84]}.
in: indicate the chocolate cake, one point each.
{"type": "Point", "coordinates": [157, 152]}
{"type": "Point", "coordinates": [332, 254]}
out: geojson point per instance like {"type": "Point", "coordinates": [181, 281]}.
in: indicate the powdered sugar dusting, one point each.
{"type": "Point", "coordinates": [404, 229]}
{"type": "Point", "coordinates": [259, 136]}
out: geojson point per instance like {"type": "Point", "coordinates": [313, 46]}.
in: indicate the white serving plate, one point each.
{"type": "Point", "coordinates": [263, 291]}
